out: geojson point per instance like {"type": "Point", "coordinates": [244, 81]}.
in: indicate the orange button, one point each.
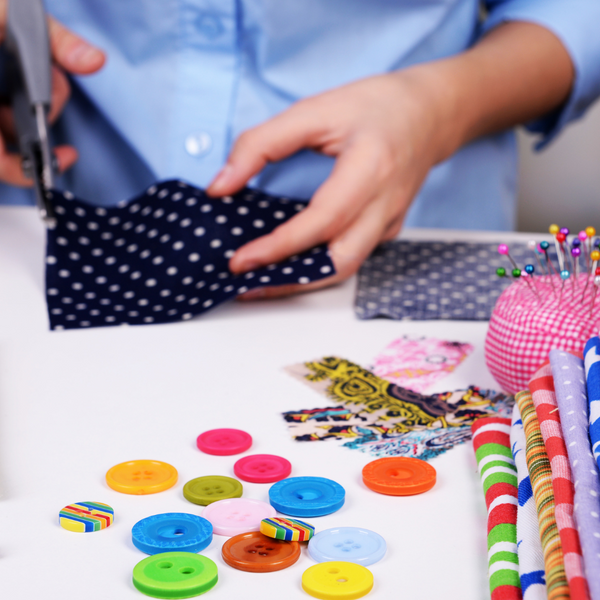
{"type": "Point", "coordinates": [141, 477]}
{"type": "Point", "coordinates": [258, 553]}
{"type": "Point", "coordinates": [399, 476]}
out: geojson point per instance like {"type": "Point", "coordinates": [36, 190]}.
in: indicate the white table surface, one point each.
{"type": "Point", "coordinates": [75, 403]}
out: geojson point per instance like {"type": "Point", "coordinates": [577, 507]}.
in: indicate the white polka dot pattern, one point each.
{"type": "Point", "coordinates": [433, 280]}
{"type": "Point", "coordinates": [156, 259]}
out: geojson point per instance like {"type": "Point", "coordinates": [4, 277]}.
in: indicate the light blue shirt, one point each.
{"type": "Point", "coordinates": [185, 77]}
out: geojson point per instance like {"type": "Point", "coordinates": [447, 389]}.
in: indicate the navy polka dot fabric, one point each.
{"type": "Point", "coordinates": [162, 256]}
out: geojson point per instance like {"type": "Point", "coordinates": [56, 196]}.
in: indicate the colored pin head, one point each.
{"type": "Point", "coordinates": [501, 272]}
{"type": "Point", "coordinates": [564, 230]}
{"type": "Point", "coordinates": [544, 245]}
{"type": "Point", "coordinates": [532, 244]}
{"type": "Point", "coordinates": [576, 251]}
{"type": "Point", "coordinates": [597, 280]}
{"type": "Point", "coordinates": [503, 249]}
{"type": "Point", "coordinates": [529, 269]}
{"type": "Point", "coordinates": [597, 271]}
{"type": "Point", "coordinates": [590, 231]}
{"type": "Point", "coordinates": [516, 273]}
{"type": "Point", "coordinates": [564, 275]}
{"type": "Point", "coordinates": [576, 242]}
{"type": "Point", "coordinates": [553, 229]}
{"type": "Point", "coordinates": [595, 255]}
{"type": "Point", "coordinates": [582, 235]}
{"type": "Point", "coordinates": [561, 237]}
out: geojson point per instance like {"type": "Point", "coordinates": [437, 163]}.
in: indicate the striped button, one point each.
{"type": "Point", "coordinates": [84, 517]}
{"type": "Point", "coordinates": [290, 530]}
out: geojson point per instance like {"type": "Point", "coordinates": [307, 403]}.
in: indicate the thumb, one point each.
{"type": "Point", "coordinates": [73, 53]}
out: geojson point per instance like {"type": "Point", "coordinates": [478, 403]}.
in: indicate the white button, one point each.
{"type": "Point", "coordinates": [198, 144]}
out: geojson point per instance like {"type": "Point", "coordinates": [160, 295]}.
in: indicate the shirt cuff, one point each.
{"type": "Point", "coordinates": [575, 23]}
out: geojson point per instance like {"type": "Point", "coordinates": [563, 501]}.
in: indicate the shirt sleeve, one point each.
{"type": "Point", "coordinates": [576, 23]}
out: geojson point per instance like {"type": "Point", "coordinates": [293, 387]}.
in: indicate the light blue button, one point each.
{"type": "Point", "coordinates": [198, 144]}
{"type": "Point", "coordinates": [210, 26]}
{"type": "Point", "coordinates": [350, 544]}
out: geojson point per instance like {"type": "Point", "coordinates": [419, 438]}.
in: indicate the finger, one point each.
{"type": "Point", "coordinates": [71, 52]}
{"type": "Point", "coordinates": [66, 156]}
{"type": "Point", "coordinates": [394, 229]}
{"type": "Point", "coordinates": [271, 141]}
{"type": "Point", "coordinates": [333, 207]}
{"type": "Point", "coordinates": [61, 90]}
{"type": "Point", "coordinates": [11, 171]}
{"type": "Point", "coordinates": [348, 252]}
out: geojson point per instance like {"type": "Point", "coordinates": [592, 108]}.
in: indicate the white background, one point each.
{"type": "Point", "coordinates": [75, 403]}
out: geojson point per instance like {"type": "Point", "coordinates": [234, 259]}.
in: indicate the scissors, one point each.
{"type": "Point", "coordinates": [30, 89]}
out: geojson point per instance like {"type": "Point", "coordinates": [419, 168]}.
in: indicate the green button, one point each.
{"type": "Point", "coordinates": [175, 575]}
{"type": "Point", "coordinates": [205, 490]}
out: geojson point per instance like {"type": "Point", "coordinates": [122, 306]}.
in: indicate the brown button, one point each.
{"type": "Point", "coordinates": [258, 553]}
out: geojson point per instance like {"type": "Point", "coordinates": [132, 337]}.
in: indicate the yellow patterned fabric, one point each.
{"type": "Point", "coordinates": [541, 482]}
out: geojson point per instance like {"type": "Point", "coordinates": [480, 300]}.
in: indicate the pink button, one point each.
{"type": "Point", "coordinates": [224, 442]}
{"type": "Point", "coordinates": [262, 468]}
{"type": "Point", "coordinates": [237, 515]}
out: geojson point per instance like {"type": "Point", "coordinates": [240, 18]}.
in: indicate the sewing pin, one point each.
{"type": "Point", "coordinates": [582, 237]}
{"type": "Point", "coordinates": [590, 232]}
{"type": "Point", "coordinates": [595, 257]}
{"type": "Point", "coordinates": [528, 274]}
{"type": "Point", "coordinates": [555, 231]}
{"type": "Point", "coordinates": [532, 244]}
{"type": "Point", "coordinates": [564, 275]}
{"type": "Point", "coordinates": [503, 249]}
{"type": "Point", "coordinates": [544, 246]}
{"type": "Point", "coordinates": [595, 292]}
{"type": "Point", "coordinates": [576, 253]}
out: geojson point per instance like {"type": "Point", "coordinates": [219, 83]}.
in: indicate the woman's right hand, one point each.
{"type": "Point", "coordinates": [70, 54]}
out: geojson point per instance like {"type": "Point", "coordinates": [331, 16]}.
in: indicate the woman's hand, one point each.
{"type": "Point", "coordinates": [383, 131]}
{"type": "Point", "coordinates": [70, 54]}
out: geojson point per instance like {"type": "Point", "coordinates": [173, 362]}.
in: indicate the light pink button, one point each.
{"type": "Point", "coordinates": [224, 442]}
{"type": "Point", "coordinates": [237, 515]}
{"type": "Point", "coordinates": [262, 468]}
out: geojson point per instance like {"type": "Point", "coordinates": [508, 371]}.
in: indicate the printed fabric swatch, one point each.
{"type": "Point", "coordinates": [415, 364]}
{"type": "Point", "coordinates": [541, 482]}
{"type": "Point", "coordinates": [381, 418]}
{"type": "Point", "coordinates": [541, 387]}
{"type": "Point", "coordinates": [569, 382]}
{"type": "Point", "coordinates": [592, 373]}
{"type": "Point", "coordinates": [434, 280]}
{"type": "Point", "coordinates": [163, 256]}
{"type": "Point", "coordinates": [529, 546]}
{"type": "Point", "coordinates": [498, 473]}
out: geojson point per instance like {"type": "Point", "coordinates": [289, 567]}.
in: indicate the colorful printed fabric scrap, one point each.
{"type": "Point", "coordinates": [592, 372]}
{"type": "Point", "coordinates": [529, 546]}
{"type": "Point", "coordinates": [541, 387]}
{"type": "Point", "coordinates": [389, 406]}
{"type": "Point", "coordinates": [415, 364]}
{"type": "Point", "coordinates": [569, 382]}
{"type": "Point", "coordinates": [498, 473]}
{"type": "Point", "coordinates": [541, 482]}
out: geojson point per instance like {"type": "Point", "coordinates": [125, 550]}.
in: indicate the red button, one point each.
{"type": "Point", "coordinates": [224, 442]}
{"type": "Point", "coordinates": [262, 468]}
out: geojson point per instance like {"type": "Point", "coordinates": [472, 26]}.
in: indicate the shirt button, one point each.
{"type": "Point", "coordinates": [198, 144]}
{"type": "Point", "coordinates": [210, 26]}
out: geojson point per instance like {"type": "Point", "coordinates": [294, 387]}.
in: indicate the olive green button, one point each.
{"type": "Point", "coordinates": [209, 489]}
{"type": "Point", "coordinates": [175, 575]}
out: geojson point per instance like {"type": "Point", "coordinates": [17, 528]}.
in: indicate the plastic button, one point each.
{"type": "Point", "coordinates": [290, 530]}
{"type": "Point", "coordinates": [85, 517]}
{"type": "Point", "coordinates": [337, 581]}
{"type": "Point", "coordinates": [350, 544]}
{"type": "Point", "coordinates": [198, 144]}
{"type": "Point", "coordinates": [170, 532]}
{"type": "Point", "coordinates": [209, 489]}
{"type": "Point", "coordinates": [175, 575]}
{"type": "Point", "coordinates": [262, 468]}
{"type": "Point", "coordinates": [307, 496]}
{"type": "Point", "coordinates": [237, 515]}
{"type": "Point", "coordinates": [224, 442]}
{"type": "Point", "coordinates": [258, 553]}
{"type": "Point", "coordinates": [399, 476]}
{"type": "Point", "coordinates": [141, 477]}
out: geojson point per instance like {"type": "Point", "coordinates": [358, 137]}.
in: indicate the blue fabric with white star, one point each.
{"type": "Point", "coordinates": [162, 256]}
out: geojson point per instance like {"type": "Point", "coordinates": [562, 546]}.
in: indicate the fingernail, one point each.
{"type": "Point", "coordinates": [253, 294]}
{"type": "Point", "coordinates": [222, 178]}
{"type": "Point", "coordinates": [83, 56]}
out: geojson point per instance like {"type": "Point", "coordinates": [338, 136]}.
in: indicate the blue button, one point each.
{"type": "Point", "coordinates": [172, 532]}
{"type": "Point", "coordinates": [350, 544]}
{"type": "Point", "coordinates": [307, 496]}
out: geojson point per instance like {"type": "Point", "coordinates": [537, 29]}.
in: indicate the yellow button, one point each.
{"type": "Point", "coordinates": [141, 477]}
{"type": "Point", "coordinates": [337, 580]}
